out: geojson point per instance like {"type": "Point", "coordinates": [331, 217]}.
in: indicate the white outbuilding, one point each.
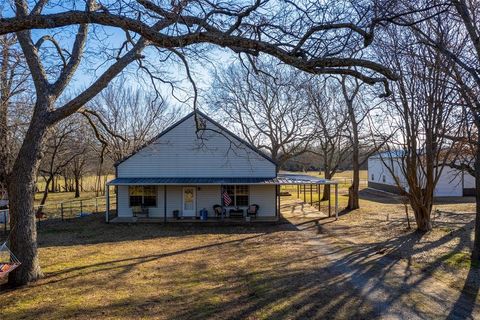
{"type": "Point", "coordinates": [383, 166]}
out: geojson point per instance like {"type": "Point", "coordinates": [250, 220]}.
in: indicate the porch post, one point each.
{"type": "Point", "coordinates": [277, 201]}
{"type": "Point", "coordinates": [311, 195]}
{"type": "Point", "coordinates": [224, 214]}
{"type": "Point", "coordinates": [336, 201]}
{"type": "Point", "coordinates": [107, 209]}
{"type": "Point", "coordinates": [319, 197]}
{"type": "Point", "coordinates": [329, 202]}
{"type": "Point", "coordinates": [165, 203]}
{"type": "Point", "coordinates": [304, 194]}
{"type": "Point", "coordinates": [298, 191]}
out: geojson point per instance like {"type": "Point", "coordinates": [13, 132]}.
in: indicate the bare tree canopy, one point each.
{"type": "Point", "coordinates": [319, 38]}
{"type": "Point", "coordinates": [267, 108]}
{"type": "Point", "coordinates": [424, 109]}
{"type": "Point", "coordinates": [330, 119]}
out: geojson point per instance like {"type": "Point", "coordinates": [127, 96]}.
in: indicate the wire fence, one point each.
{"type": "Point", "coordinates": [63, 210]}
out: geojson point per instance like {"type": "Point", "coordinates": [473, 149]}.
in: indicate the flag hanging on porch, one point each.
{"type": "Point", "coordinates": [226, 198]}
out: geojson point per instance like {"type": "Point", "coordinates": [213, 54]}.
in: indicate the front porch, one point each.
{"type": "Point", "coordinates": [209, 200]}
{"type": "Point", "coordinates": [227, 221]}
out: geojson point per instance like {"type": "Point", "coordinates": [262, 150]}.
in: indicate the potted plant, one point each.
{"type": "Point", "coordinates": [176, 214]}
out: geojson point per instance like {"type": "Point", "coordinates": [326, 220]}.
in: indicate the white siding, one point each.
{"type": "Point", "coordinates": [379, 173]}
{"type": "Point", "coordinates": [124, 209]}
{"type": "Point", "coordinates": [468, 181]}
{"type": "Point", "coordinates": [158, 210]}
{"type": "Point", "coordinates": [123, 206]}
{"type": "Point", "coordinates": [179, 153]}
{"type": "Point", "coordinates": [264, 196]}
{"type": "Point", "coordinates": [207, 197]}
{"type": "Point", "coordinates": [174, 199]}
{"type": "Point", "coordinates": [449, 184]}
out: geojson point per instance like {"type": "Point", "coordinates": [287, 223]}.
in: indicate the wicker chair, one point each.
{"type": "Point", "coordinates": [219, 210]}
{"type": "Point", "coordinates": [252, 210]}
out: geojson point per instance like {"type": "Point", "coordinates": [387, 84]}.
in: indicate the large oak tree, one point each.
{"type": "Point", "coordinates": [319, 38]}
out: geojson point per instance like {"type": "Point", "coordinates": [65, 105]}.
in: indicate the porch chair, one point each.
{"type": "Point", "coordinates": [139, 211]}
{"type": "Point", "coordinates": [219, 211]}
{"type": "Point", "coordinates": [252, 210]}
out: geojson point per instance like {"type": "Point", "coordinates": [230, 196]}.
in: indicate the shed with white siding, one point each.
{"type": "Point", "coordinates": [383, 167]}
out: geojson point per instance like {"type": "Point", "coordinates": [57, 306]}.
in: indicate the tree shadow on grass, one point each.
{"type": "Point", "coordinates": [467, 301]}
{"type": "Point", "coordinates": [354, 282]}
{"type": "Point", "coordinates": [357, 281]}
{"type": "Point", "coordinates": [93, 230]}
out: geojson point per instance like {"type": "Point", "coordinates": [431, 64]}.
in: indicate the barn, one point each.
{"type": "Point", "coordinates": [199, 170]}
{"type": "Point", "coordinates": [382, 166]}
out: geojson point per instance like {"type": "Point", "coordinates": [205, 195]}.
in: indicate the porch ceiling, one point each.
{"type": "Point", "coordinates": [281, 179]}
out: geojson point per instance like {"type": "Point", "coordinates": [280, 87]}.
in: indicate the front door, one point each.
{"type": "Point", "coordinates": [189, 202]}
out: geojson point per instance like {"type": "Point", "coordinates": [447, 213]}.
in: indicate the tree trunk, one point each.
{"type": "Point", "coordinates": [45, 194]}
{"type": "Point", "coordinates": [422, 218]}
{"type": "Point", "coordinates": [353, 196]}
{"type": "Point", "coordinates": [326, 188]}
{"type": "Point", "coordinates": [476, 240]}
{"type": "Point", "coordinates": [77, 187]}
{"type": "Point", "coordinates": [65, 183]}
{"type": "Point", "coordinates": [21, 189]}
{"type": "Point", "coordinates": [353, 190]}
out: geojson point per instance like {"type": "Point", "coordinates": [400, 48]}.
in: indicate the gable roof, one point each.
{"type": "Point", "coordinates": [201, 114]}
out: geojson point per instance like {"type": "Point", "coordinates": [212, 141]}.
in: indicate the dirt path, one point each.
{"type": "Point", "coordinates": [393, 287]}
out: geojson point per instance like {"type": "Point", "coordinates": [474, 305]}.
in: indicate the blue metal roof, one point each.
{"type": "Point", "coordinates": [280, 179]}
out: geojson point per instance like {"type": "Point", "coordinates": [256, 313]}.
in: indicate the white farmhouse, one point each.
{"type": "Point", "coordinates": [198, 169]}
{"type": "Point", "coordinates": [452, 182]}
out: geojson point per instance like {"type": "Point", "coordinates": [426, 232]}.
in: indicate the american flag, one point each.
{"type": "Point", "coordinates": [226, 199]}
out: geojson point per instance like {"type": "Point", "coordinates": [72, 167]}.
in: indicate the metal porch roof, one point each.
{"type": "Point", "coordinates": [281, 179]}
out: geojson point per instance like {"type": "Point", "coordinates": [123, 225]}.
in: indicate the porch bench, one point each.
{"type": "Point", "coordinates": [236, 213]}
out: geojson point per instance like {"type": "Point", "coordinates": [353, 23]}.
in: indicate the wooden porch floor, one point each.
{"type": "Point", "coordinates": [210, 220]}
{"type": "Point", "coordinates": [289, 208]}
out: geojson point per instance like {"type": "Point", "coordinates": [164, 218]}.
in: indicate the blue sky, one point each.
{"type": "Point", "coordinates": [103, 41]}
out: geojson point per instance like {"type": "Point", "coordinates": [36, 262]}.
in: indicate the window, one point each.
{"type": "Point", "coordinates": [145, 196]}
{"type": "Point", "coordinates": [241, 196]}
{"type": "Point", "coordinates": [238, 195]}
{"type": "Point", "coordinates": [372, 177]}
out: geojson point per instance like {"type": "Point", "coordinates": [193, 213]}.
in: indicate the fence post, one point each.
{"type": "Point", "coordinates": [5, 221]}
{"type": "Point", "coordinates": [81, 206]}
{"type": "Point", "coordinates": [61, 209]}
{"type": "Point", "coordinates": [96, 205]}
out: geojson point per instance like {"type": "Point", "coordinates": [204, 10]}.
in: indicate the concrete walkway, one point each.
{"type": "Point", "coordinates": [395, 288]}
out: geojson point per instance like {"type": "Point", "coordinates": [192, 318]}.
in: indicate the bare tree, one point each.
{"type": "Point", "coordinates": [131, 117]}
{"type": "Point", "coordinates": [359, 106]}
{"type": "Point", "coordinates": [312, 37]}
{"type": "Point", "coordinates": [267, 108]}
{"type": "Point", "coordinates": [452, 28]}
{"type": "Point", "coordinates": [60, 151]}
{"type": "Point", "coordinates": [425, 105]}
{"type": "Point", "coordinates": [331, 143]}
{"type": "Point", "coordinates": [13, 78]}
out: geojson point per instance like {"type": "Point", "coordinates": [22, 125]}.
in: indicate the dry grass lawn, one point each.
{"type": "Point", "coordinates": [380, 225]}
{"type": "Point", "coordinates": [95, 270]}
